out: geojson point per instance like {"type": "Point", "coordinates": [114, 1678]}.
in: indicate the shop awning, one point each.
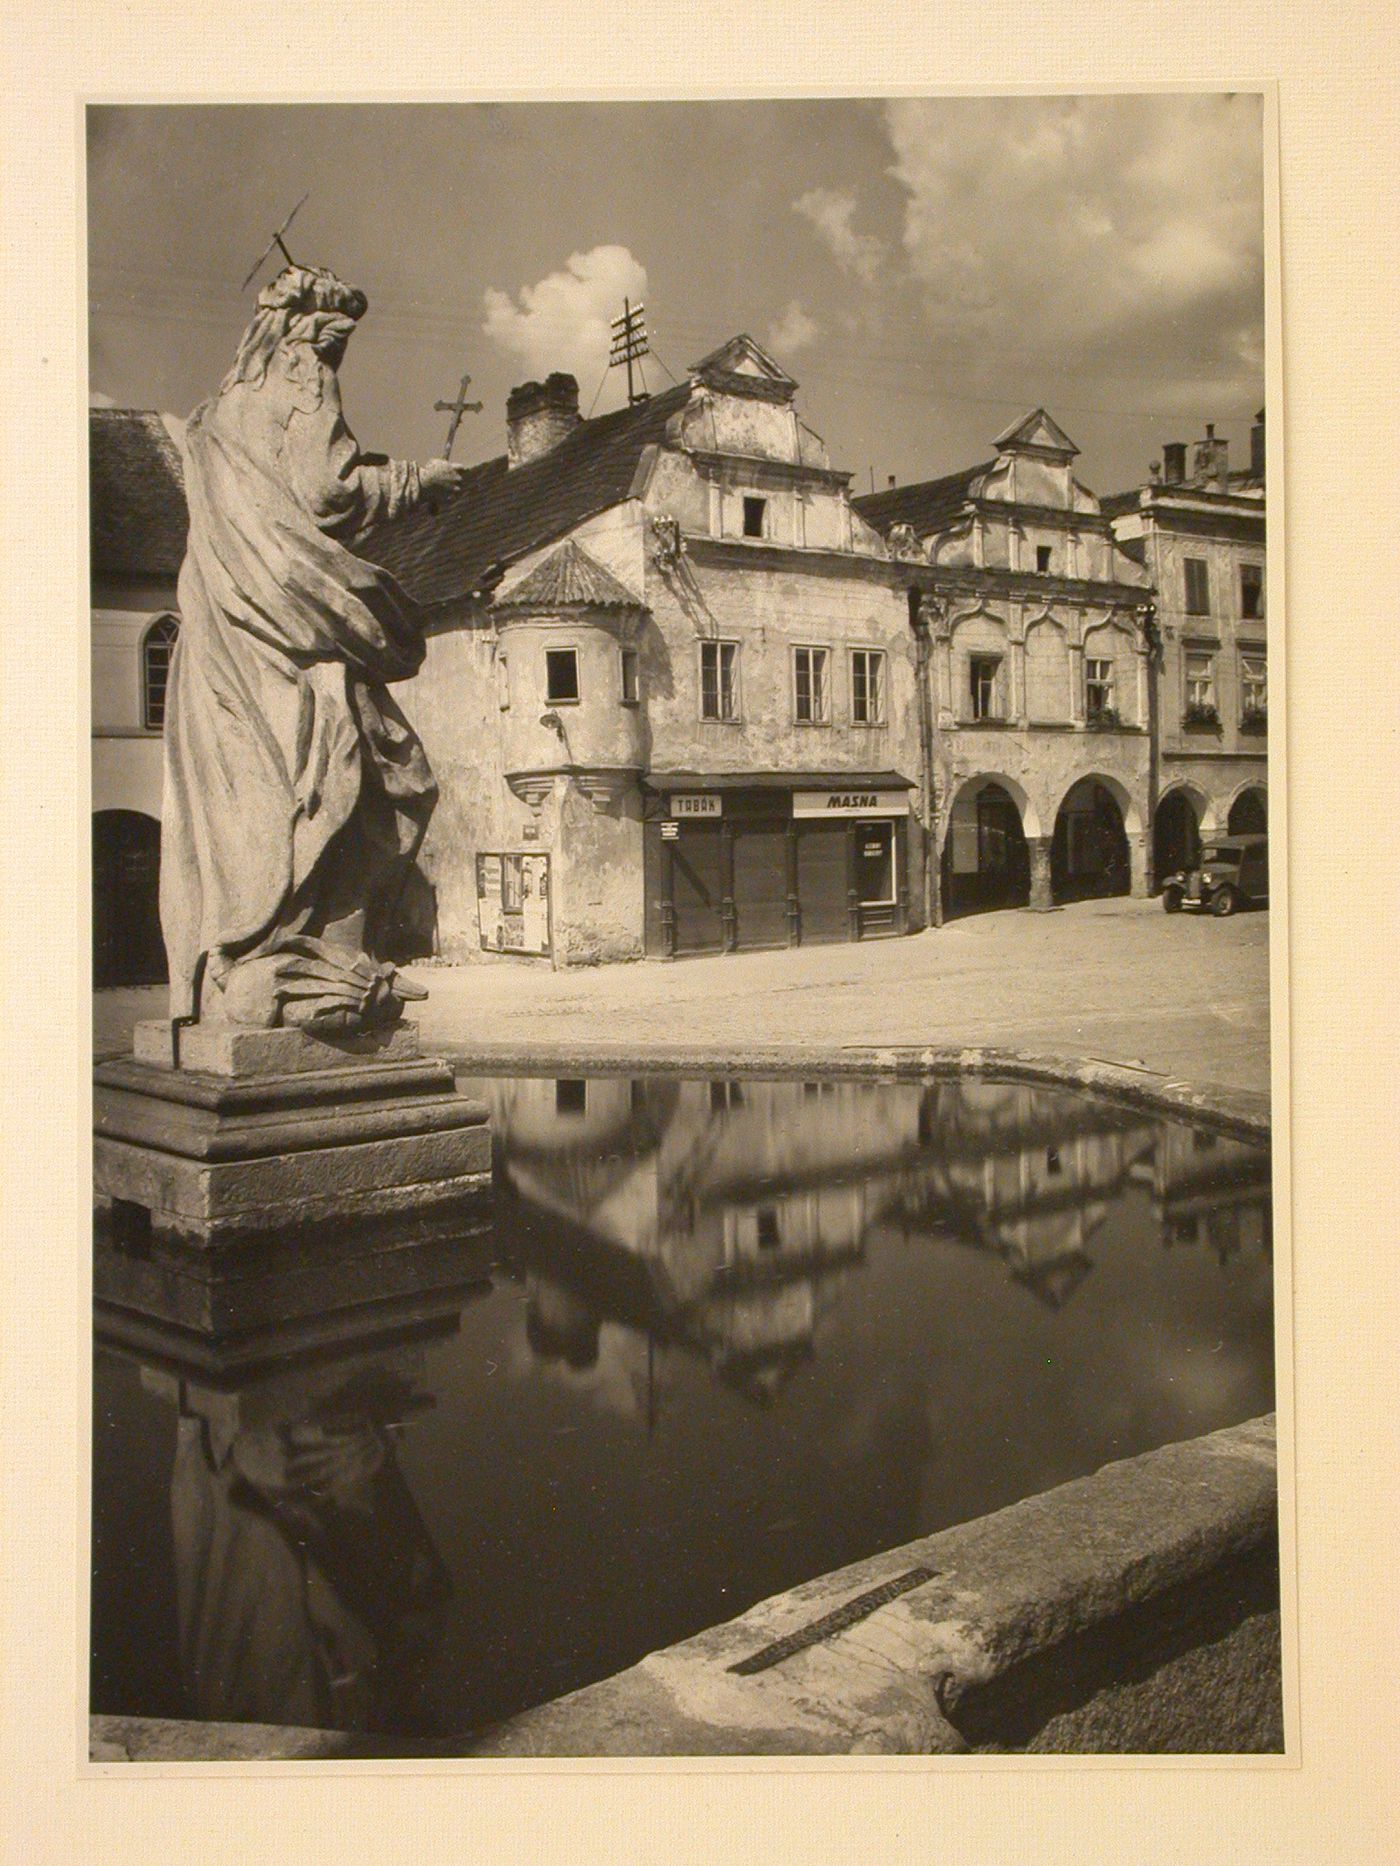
{"type": "Point", "coordinates": [777, 780]}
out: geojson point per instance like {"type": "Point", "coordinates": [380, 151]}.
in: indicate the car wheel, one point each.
{"type": "Point", "coordinates": [1171, 900]}
{"type": "Point", "coordinates": [1224, 901]}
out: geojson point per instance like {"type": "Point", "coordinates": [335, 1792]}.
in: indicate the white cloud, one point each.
{"type": "Point", "coordinates": [1111, 237]}
{"type": "Point", "coordinates": [98, 398]}
{"type": "Point", "coordinates": [792, 330]}
{"type": "Point", "coordinates": [831, 211]}
{"type": "Point", "coordinates": [564, 322]}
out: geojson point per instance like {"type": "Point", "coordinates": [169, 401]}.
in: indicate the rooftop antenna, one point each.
{"type": "Point", "coordinates": [456, 409]}
{"type": "Point", "coordinates": [629, 345]}
{"type": "Point", "coordinates": [276, 240]}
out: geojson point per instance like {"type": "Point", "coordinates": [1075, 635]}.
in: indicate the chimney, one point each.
{"type": "Point", "coordinates": [538, 416]}
{"type": "Point", "coordinates": [1174, 462]}
{"type": "Point", "coordinates": [1256, 447]}
{"type": "Point", "coordinates": [1212, 463]}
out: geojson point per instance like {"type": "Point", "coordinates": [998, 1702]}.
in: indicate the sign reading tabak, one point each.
{"type": "Point", "coordinates": [695, 803]}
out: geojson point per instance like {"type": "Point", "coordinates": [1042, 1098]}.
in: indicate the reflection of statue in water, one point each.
{"type": "Point", "coordinates": [296, 792]}
{"type": "Point", "coordinates": [309, 1589]}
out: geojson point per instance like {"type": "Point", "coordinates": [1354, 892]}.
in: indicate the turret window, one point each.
{"type": "Point", "coordinates": [561, 676]}
{"type": "Point", "coordinates": [631, 678]}
{"type": "Point", "coordinates": [755, 518]}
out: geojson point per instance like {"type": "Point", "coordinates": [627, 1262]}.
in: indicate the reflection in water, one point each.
{"type": "Point", "coordinates": [740, 1332]}
{"type": "Point", "coordinates": [307, 1585]}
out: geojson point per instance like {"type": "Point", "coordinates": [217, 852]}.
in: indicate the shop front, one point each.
{"type": "Point", "coordinates": [741, 862]}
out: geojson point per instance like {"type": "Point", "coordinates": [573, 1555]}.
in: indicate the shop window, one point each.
{"type": "Point", "coordinates": [984, 675]}
{"type": "Point", "coordinates": [561, 676]}
{"type": "Point", "coordinates": [156, 649]}
{"type": "Point", "coordinates": [1251, 591]}
{"type": "Point", "coordinates": [1098, 689]}
{"type": "Point", "coordinates": [755, 518]}
{"type": "Point", "coordinates": [1197, 585]}
{"type": "Point", "coordinates": [719, 683]}
{"type": "Point", "coordinates": [810, 687]}
{"type": "Point", "coordinates": [867, 687]}
{"type": "Point", "coordinates": [1043, 558]}
{"type": "Point", "coordinates": [631, 677]}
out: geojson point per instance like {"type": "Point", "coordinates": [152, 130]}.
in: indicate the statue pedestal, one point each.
{"type": "Point", "coordinates": [278, 1158]}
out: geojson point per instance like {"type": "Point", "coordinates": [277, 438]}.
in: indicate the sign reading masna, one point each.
{"type": "Point", "coordinates": [850, 803]}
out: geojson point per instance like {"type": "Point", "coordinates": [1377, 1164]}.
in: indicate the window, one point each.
{"type": "Point", "coordinates": [867, 687]}
{"type": "Point", "coordinates": [810, 694]}
{"type": "Point", "coordinates": [983, 673]}
{"type": "Point", "coordinates": [571, 1095]}
{"type": "Point", "coordinates": [1200, 683]}
{"type": "Point", "coordinates": [1098, 688]}
{"type": "Point", "coordinates": [156, 650]}
{"type": "Point", "coordinates": [766, 1227]}
{"type": "Point", "coordinates": [755, 512]}
{"type": "Point", "coordinates": [561, 675]}
{"type": "Point", "coordinates": [1197, 585]}
{"type": "Point", "coordinates": [1042, 557]}
{"type": "Point", "coordinates": [1251, 591]}
{"type": "Point", "coordinates": [719, 689]}
{"type": "Point", "coordinates": [631, 679]}
{"type": "Point", "coordinates": [1254, 685]}
{"type": "Point", "coordinates": [502, 682]}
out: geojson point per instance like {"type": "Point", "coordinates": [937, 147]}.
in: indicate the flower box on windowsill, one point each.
{"type": "Point", "coordinates": [1255, 722]}
{"type": "Point", "coordinates": [1201, 719]}
{"type": "Point", "coordinates": [1104, 720]}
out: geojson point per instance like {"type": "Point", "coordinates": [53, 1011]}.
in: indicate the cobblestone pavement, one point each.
{"type": "Point", "coordinates": [1118, 980]}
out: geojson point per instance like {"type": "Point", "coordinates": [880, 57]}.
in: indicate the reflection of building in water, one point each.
{"type": "Point", "coordinates": [1208, 1189]}
{"type": "Point", "coordinates": [1027, 1173]}
{"type": "Point", "coordinates": [744, 1201]}
{"type": "Point", "coordinates": [309, 1589]}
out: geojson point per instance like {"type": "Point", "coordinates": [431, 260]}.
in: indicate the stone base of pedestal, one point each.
{"type": "Point", "coordinates": [254, 1136]}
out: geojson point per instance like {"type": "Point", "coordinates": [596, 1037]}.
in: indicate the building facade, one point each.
{"type": "Point", "coordinates": [138, 528]}
{"type": "Point", "coordinates": [1036, 630]}
{"type": "Point", "coordinates": [1199, 533]}
{"type": "Point", "coordinates": [671, 691]}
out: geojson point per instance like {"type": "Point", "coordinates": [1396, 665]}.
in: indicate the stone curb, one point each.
{"type": "Point", "coordinates": [1006, 1589]}
{"type": "Point", "coordinates": [1241, 1113]}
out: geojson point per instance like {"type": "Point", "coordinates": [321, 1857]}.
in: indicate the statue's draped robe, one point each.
{"type": "Point", "coordinates": [295, 789]}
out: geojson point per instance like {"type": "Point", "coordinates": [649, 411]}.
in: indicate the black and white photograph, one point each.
{"type": "Point", "coordinates": [681, 824]}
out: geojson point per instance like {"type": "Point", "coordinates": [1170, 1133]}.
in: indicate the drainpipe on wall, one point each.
{"type": "Point", "coordinates": [933, 894]}
{"type": "Point", "coordinates": [1152, 635]}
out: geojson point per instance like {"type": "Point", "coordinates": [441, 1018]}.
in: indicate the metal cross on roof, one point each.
{"type": "Point", "coordinates": [276, 240]}
{"type": "Point", "coordinates": [456, 409]}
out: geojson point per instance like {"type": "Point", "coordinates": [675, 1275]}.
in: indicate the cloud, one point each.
{"type": "Point", "coordinates": [792, 330]}
{"type": "Point", "coordinates": [1117, 238]}
{"type": "Point", "coordinates": [564, 322]}
{"type": "Point", "coordinates": [831, 211]}
{"type": "Point", "coordinates": [99, 398]}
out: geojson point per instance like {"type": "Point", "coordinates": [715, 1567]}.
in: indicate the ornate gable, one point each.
{"type": "Point", "coordinates": [743, 367]}
{"type": "Point", "coordinates": [1037, 433]}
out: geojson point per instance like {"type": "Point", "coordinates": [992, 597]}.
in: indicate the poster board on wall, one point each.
{"type": "Point", "coordinates": [512, 902]}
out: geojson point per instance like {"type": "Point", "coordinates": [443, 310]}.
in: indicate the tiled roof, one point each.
{"type": "Point", "coordinates": [138, 512]}
{"type": "Point", "coordinates": [927, 506]}
{"type": "Point", "coordinates": [568, 579]}
{"type": "Point", "coordinates": [503, 512]}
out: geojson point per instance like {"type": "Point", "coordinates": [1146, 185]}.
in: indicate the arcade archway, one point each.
{"type": "Point", "coordinates": [1176, 834]}
{"type": "Point", "coordinates": [1249, 813]}
{"type": "Point", "coordinates": [1089, 851]}
{"type": "Point", "coordinates": [986, 861]}
{"type": "Point", "coordinates": [127, 948]}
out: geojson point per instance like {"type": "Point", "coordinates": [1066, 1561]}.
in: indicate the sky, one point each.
{"type": "Point", "coordinates": [928, 269]}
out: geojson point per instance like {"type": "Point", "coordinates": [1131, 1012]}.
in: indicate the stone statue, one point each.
{"type": "Point", "coordinates": [296, 793]}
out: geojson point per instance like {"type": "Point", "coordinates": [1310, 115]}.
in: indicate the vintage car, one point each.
{"type": "Point", "coordinates": [1233, 872]}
